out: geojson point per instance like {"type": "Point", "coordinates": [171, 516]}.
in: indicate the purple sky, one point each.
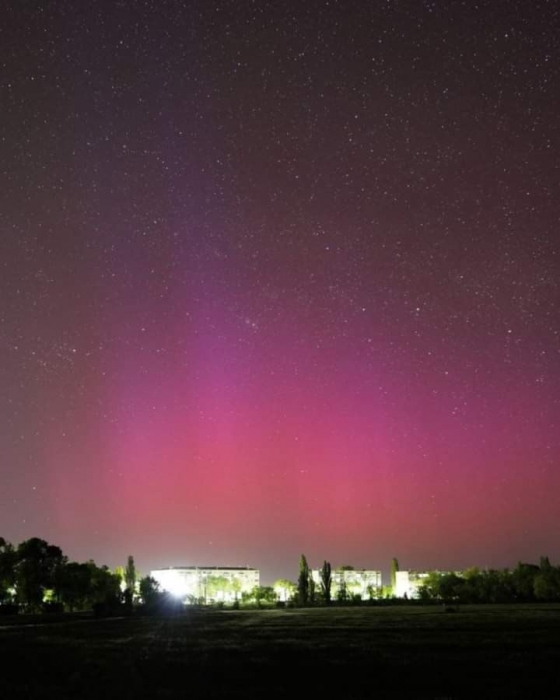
{"type": "Point", "coordinates": [281, 278]}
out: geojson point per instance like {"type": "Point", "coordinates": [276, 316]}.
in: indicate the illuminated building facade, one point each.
{"type": "Point", "coordinates": [207, 584]}
{"type": "Point", "coordinates": [350, 582]}
{"type": "Point", "coordinates": [408, 583]}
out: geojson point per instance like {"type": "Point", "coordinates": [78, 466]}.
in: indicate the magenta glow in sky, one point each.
{"type": "Point", "coordinates": [278, 280]}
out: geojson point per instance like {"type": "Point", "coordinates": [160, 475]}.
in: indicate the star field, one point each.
{"type": "Point", "coordinates": [280, 278]}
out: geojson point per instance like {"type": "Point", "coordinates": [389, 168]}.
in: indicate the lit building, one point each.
{"type": "Point", "coordinates": [362, 582]}
{"type": "Point", "coordinates": [207, 584]}
{"type": "Point", "coordinates": [408, 583]}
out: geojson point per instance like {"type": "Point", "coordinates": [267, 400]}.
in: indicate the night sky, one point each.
{"type": "Point", "coordinates": [281, 278]}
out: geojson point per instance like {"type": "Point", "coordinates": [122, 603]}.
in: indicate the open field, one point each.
{"type": "Point", "coordinates": [366, 652]}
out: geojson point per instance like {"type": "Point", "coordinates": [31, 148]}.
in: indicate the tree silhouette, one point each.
{"type": "Point", "coordinates": [149, 590]}
{"type": "Point", "coordinates": [326, 581]}
{"type": "Point", "coordinates": [74, 585]}
{"type": "Point", "coordinates": [303, 581]}
{"type": "Point", "coordinates": [37, 563]}
{"type": "Point", "coordinates": [7, 570]}
{"type": "Point", "coordinates": [130, 574]}
{"type": "Point", "coordinates": [394, 569]}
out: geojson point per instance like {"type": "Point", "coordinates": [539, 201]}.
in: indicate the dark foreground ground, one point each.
{"type": "Point", "coordinates": [404, 652]}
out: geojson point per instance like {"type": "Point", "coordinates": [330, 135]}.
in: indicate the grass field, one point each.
{"type": "Point", "coordinates": [369, 652]}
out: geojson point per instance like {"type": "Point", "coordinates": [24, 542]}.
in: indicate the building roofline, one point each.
{"type": "Point", "coordinates": [206, 568]}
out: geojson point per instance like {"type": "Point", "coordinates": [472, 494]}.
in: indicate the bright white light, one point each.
{"type": "Point", "coordinates": [209, 585]}
{"type": "Point", "coordinates": [174, 582]}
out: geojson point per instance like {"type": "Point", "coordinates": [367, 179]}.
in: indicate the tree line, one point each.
{"type": "Point", "coordinates": [526, 583]}
{"type": "Point", "coordinates": [36, 576]}
{"type": "Point", "coordinates": [308, 591]}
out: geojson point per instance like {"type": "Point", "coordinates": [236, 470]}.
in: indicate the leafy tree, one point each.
{"type": "Point", "coordinates": [326, 581]}
{"type": "Point", "coordinates": [523, 578]}
{"type": "Point", "coordinates": [284, 589]}
{"type": "Point", "coordinates": [7, 570]}
{"type": "Point", "coordinates": [394, 569]}
{"type": "Point", "coordinates": [430, 588]}
{"type": "Point", "coordinates": [547, 584]}
{"type": "Point", "coordinates": [264, 595]}
{"type": "Point", "coordinates": [37, 563]}
{"type": "Point", "coordinates": [260, 595]}
{"type": "Point", "coordinates": [82, 586]}
{"type": "Point", "coordinates": [130, 574]}
{"type": "Point", "coordinates": [235, 585]}
{"type": "Point", "coordinates": [385, 592]}
{"type": "Point", "coordinates": [497, 586]}
{"type": "Point", "coordinates": [106, 586]}
{"type": "Point", "coordinates": [491, 586]}
{"type": "Point", "coordinates": [345, 567]}
{"type": "Point", "coordinates": [450, 588]}
{"type": "Point", "coordinates": [471, 591]}
{"type": "Point", "coordinates": [226, 586]}
{"type": "Point", "coordinates": [119, 571]}
{"type": "Point", "coordinates": [74, 585]}
{"type": "Point", "coordinates": [303, 581]}
{"type": "Point", "coordinates": [149, 590]}
{"type": "Point", "coordinates": [148, 586]}
{"type": "Point", "coordinates": [216, 585]}
{"type": "Point", "coordinates": [342, 592]}
{"type": "Point", "coordinates": [311, 588]}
